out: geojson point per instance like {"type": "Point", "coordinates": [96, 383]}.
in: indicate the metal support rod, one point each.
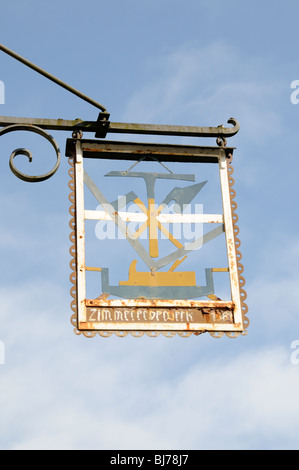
{"type": "Point", "coordinates": [51, 77]}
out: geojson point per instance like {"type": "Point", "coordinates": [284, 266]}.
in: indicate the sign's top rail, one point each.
{"type": "Point", "coordinates": [114, 150]}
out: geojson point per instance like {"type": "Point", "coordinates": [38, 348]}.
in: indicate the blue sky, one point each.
{"type": "Point", "coordinates": [168, 62]}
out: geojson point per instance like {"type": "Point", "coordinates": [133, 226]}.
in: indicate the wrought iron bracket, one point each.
{"type": "Point", "coordinates": [103, 126]}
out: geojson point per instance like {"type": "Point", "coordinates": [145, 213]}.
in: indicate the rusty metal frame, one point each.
{"type": "Point", "coordinates": [218, 317]}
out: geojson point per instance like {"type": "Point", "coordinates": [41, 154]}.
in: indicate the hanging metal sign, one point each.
{"type": "Point", "coordinates": [161, 296]}
{"type": "Point", "coordinates": [173, 292]}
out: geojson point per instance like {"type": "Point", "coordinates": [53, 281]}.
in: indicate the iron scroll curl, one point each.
{"type": "Point", "coordinates": [28, 154]}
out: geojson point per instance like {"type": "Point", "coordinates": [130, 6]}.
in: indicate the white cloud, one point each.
{"type": "Point", "coordinates": [232, 403]}
{"type": "Point", "coordinates": [60, 391]}
{"type": "Point", "coordinates": [65, 393]}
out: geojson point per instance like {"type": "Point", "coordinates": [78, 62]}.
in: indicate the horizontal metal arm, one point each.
{"type": "Point", "coordinates": [161, 129]}
{"type": "Point", "coordinates": [103, 126]}
{"type": "Point", "coordinates": [51, 124]}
